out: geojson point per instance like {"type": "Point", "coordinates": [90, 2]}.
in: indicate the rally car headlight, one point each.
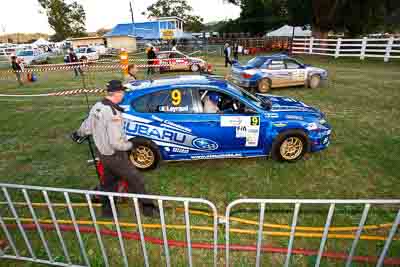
{"type": "Point", "coordinates": [312, 126]}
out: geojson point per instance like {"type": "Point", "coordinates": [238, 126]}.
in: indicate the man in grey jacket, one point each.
{"type": "Point", "coordinates": [105, 124]}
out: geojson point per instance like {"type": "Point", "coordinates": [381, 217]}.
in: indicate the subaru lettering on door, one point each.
{"type": "Point", "coordinates": [202, 117]}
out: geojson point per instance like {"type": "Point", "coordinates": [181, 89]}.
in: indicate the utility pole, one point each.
{"type": "Point", "coordinates": [3, 29]}
{"type": "Point", "coordinates": [133, 21]}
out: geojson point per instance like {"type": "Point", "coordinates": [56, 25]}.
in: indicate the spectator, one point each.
{"type": "Point", "coordinates": [174, 48]}
{"type": "Point", "coordinates": [72, 58]}
{"type": "Point", "coordinates": [241, 50]}
{"type": "Point", "coordinates": [151, 56]}
{"type": "Point", "coordinates": [132, 71]}
{"type": "Point", "coordinates": [16, 66]}
{"type": "Point", "coordinates": [227, 53]}
{"type": "Point", "coordinates": [236, 51]}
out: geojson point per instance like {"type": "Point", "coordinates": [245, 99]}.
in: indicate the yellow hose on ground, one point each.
{"type": "Point", "coordinates": [287, 227]}
{"type": "Point", "coordinates": [234, 219]}
{"type": "Point", "coordinates": [207, 228]}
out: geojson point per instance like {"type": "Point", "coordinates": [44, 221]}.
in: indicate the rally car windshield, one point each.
{"type": "Point", "coordinates": [256, 62]}
{"type": "Point", "coordinates": [25, 53]}
{"type": "Point", "coordinates": [259, 102]}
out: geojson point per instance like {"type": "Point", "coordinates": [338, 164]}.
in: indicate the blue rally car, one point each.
{"type": "Point", "coordinates": [266, 72]}
{"type": "Point", "coordinates": [203, 117]}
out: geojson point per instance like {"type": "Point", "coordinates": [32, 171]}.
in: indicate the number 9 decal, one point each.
{"type": "Point", "coordinates": [255, 121]}
{"type": "Point", "coordinates": [176, 97]}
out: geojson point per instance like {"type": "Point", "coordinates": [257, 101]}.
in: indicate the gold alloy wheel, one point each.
{"type": "Point", "coordinates": [291, 148]}
{"type": "Point", "coordinates": [315, 80]}
{"type": "Point", "coordinates": [142, 157]}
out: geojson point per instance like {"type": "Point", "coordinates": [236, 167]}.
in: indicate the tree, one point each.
{"type": "Point", "coordinates": [102, 31]}
{"type": "Point", "coordinates": [178, 8]}
{"type": "Point", "coordinates": [257, 16]}
{"type": "Point", "coordinates": [353, 17]}
{"type": "Point", "coordinates": [67, 20]}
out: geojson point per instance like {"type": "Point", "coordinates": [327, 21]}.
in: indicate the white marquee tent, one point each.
{"type": "Point", "coordinates": [287, 31]}
{"type": "Point", "coordinates": [40, 42]}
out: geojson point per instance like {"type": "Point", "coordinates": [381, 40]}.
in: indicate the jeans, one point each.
{"type": "Point", "coordinates": [116, 167]}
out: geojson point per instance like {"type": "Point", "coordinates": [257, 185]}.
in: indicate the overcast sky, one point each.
{"type": "Point", "coordinates": [24, 16]}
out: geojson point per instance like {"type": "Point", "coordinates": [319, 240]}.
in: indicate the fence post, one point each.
{"type": "Point", "coordinates": [310, 50]}
{"type": "Point", "coordinates": [363, 48]}
{"type": "Point", "coordinates": [338, 44]}
{"type": "Point", "coordinates": [389, 49]}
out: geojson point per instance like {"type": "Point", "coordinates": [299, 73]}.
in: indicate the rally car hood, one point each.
{"type": "Point", "coordinates": [287, 104]}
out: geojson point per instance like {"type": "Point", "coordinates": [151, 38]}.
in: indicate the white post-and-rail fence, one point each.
{"type": "Point", "coordinates": [386, 48]}
{"type": "Point", "coordinates": [15, 198]}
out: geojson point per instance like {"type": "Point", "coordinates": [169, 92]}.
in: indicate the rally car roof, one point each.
{"type": "Point", "coordinates": [274, 56]}
{"type": "Point", "coordinates": [167, 82]}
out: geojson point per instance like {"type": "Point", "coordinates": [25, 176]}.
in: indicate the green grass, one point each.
{"type": "Point", "coordinates": [361, 100]}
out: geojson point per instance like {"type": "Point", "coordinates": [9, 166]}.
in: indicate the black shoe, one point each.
{"type": "Point", "coordinates": [151, 211]}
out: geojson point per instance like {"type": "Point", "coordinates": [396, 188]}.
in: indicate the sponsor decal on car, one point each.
{"type": "Point", "coordinates": [294, 117]}
{"type": "Point", "coordinates": [252, 136]}
{"type": "Point", "coordinates": [217, 156]}
{"type": "Point", "coordinates": [246, 127]}
{"type": "Point", "coordinates": [205, 144]}
{"type": "Point", "coordinates": [180, 150]}
{"type": "Point", "coordinates": [173, 109]}
{"type": "Point", "coordinates": [280, 124]}
{"type": "Point", "coordinates": [272, 115]}
{"type": "Point", "coordinates": [167, 137]}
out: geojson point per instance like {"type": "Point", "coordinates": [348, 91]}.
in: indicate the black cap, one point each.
{"type": "Point", "coordinates": [115, 86]}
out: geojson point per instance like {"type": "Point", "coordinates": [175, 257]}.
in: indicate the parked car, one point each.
{"type": "Point", "coordinates": [87, 53]}
{"type": "Point", "coordinates": [166, 119]}
{"type": "Point", "coordinates": [31, 57]}
{"type": "Point", "coordinates": [178, 61]}
{"type": "Point", "coordinates": [266, 72]}
{"type": "Point", "coordinates": [101, 49]}
{"type": "Point", "coordinates": [4, 59]}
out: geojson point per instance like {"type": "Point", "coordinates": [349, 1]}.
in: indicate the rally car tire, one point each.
{"type": "Point", "coordinates": [297, 139]}
{"type": "Point", "coordinates": [264, 86]}
{"type": "Point", "coordinates": [195, 68]}
{"type": "Point", "coordinates": [314, 82]}
{"type": "Point", "coordinates": [144, 155]}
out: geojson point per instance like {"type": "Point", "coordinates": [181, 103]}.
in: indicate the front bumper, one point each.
{"type": "Point", "coordinates": [319, 140]}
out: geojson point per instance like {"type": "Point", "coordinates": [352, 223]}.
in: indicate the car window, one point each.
{"type": "Point", "coordinates": [91, 50]}
{"type": "Point", "coordinates": [291, 64]}
{"type": "Point", "coordinates": [276, 65]}
{"type": "Point", "coordinates": [25, 53]}
{"type": "Point", "coordinates": [179, 55]}
{"type": "Point", "coordinates": [213, 101]}
{"type": "Point", "coordinates": [166, 101]}
{"type": "Point", "coordinates": [163, 55]}
{"type": "Point", "coordinates": [256, 62]}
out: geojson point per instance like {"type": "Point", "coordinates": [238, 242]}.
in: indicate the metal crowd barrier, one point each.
{"type": "Point", "coordinates": [52, 260]}
{"type": "Point", "coordinates": [39, 250]}
{"type": "Point", "coordinates": [297, 203]}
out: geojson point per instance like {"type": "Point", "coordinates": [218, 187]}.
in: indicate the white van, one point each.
{"type": "Point", "coordinates": [30, 57]}
{"type": "Point", "coordinates": [87, 53]}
